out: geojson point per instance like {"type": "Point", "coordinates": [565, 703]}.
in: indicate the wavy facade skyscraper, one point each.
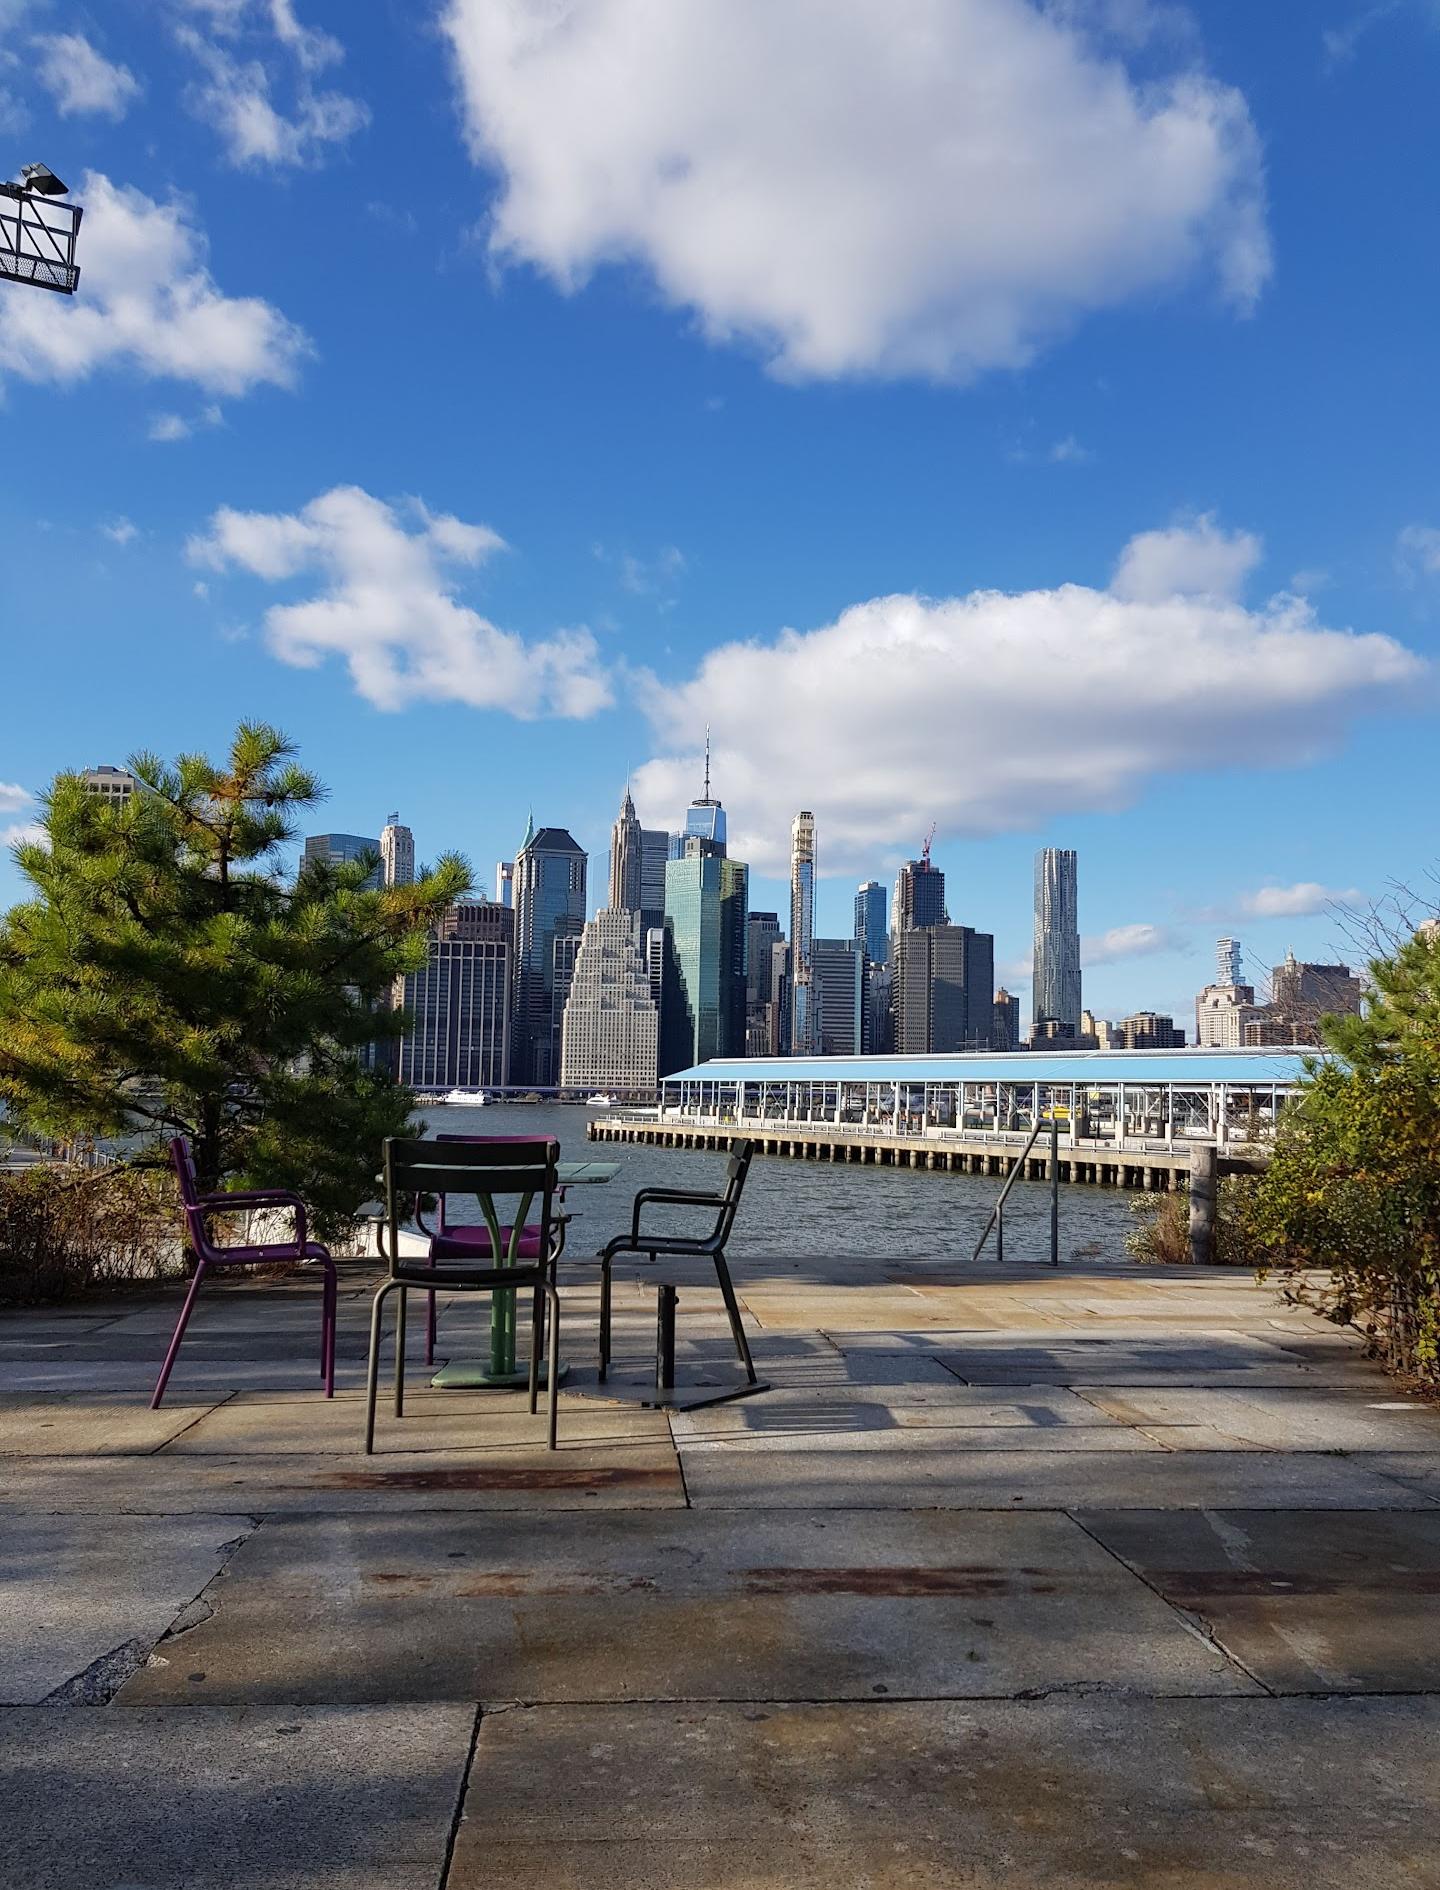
{"type": "Point", "coordinates": [1056, 990]}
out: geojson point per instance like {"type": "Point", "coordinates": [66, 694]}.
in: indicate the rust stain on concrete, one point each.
{"type": "Point", "coordinates": [894, 1583]}
{"type": "Point", "coordinates": [502, 1477]}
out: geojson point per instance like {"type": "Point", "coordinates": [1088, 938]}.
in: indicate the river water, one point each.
{"type": "Point", "coordinates": [814, 1208]}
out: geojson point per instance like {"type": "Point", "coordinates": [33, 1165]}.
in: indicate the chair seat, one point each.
{"type": "Point", "coordinates": [270, 1251]}
{"type": "Point", "coordinates": [473, 1243]}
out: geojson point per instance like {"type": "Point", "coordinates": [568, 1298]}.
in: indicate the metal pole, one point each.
{"type": "Point", "coordinates": [1055, 1186]}
{"type": "Point", "coordinates": [999, 1233]}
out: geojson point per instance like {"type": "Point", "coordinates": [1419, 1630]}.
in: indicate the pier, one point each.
{"type": "Point", "coordinates": [1153, 1171]}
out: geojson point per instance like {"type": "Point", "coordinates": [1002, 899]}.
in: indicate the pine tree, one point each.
{"type": "Point", "coordinates": [164, 978]}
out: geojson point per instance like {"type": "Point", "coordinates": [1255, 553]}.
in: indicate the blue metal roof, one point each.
{"type": "Point", "coordinates": [1069, 1066]}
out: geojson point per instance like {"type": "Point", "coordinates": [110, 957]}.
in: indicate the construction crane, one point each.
{"type": "Point", "coordinates": [925, 850]}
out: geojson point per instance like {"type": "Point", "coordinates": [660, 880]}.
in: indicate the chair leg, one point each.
{"type": "Point", "coordinates": [180, 1325]}
{"type": "Point", "coordinates": [372, 1370]}
{"type": "Point", "coordinates": [328, 1319]}
{"type": "Point", "coordinates": [537, 1334]}
{"type": "Point", "coordinates": [604, 1319]}
{"type": "Point", "coordinates": [737, 1324]}
{"type": "Point", "coordinates": [400, 1353]}
{"type": "Point", "coordinates": [430, 1323]}
{"type": "Point", "coordinates": [552, 1294]}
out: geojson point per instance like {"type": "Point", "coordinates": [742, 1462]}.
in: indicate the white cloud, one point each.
{"type": "Point", "coordinates": [20, 832]}
{"type": "Point", "coordinates": [167, 427]}
{"type": "Point", "coordinates": [908, 189]}
{"type": "Point", "coordinates": [243, 70]}
{"type": "Point", "coordinates": [995, 711]}
{"type": "Point", "coordinates": [1128, 941]}
{"type": "Point", "coordinates": [1196, 559]}
{"type": "Point", "coordinates": [81, 80]}
{"type": "Point", "coordinates": [387, 605]}
{"type": "Point", "coordinates": [1300, 901]}
{"type": "Point", "coordinates": [148, 303]}
{"type": "Point", "coordinates": [13, 797]}
{"type": "Point", "coordinates": [120, 531]}
{"type": "Point", "coordinates": [1418, 551]}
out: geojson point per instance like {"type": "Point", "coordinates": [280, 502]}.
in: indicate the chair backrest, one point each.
{"type": "Point", "coordinates": [486, 1167]}
{"type": "Point", "coordinates": [496, 1140]}
{"type": "Point", "coordinates": [183, 1159]}
{"type": "Point", "coordinates": [736, 1169]}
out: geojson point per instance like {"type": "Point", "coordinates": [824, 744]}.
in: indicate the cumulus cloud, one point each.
{"type": "Point", "coordinates": [1128, 941]}
{"type": "Point", "coordinates": [120, 531]}
{"type": "Point", "coordinates": [1187, 560]}
{"type": "Point", "coordinates": [250, 51]}
{"type": "Point", "coordinates": [22, 833]}
{"type": "Point", "coordinates": [81, 80]}
{"type": "Point", "coordinates": [387, 604]}
{"type": "Point", "coordinates": [166, 428]}
{"type": "Point", "coordinates": [13, 797]}
{"type": "Point", "coordinates": [149, 304]}
{"type": "Point", "coordinates": [908, 189]}
{"type": "Point", "coordinates": [996, 711]}
{"type": "Point", "coordinates": [1299, 901]}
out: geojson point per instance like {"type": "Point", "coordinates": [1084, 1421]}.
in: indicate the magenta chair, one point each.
{"type": "Point", "coordinates": [198, 1207]}
{"type": "Point", "coordinates": [451, 1240]}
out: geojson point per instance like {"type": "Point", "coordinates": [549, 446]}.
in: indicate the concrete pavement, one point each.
{"type": "Point", "coordinates": [1110, 1576]}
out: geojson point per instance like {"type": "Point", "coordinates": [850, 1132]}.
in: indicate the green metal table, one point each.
{"type": "Point", "coordinates": [499, 1372]}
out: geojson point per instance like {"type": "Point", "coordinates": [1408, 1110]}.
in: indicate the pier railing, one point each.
{"type": "Point", "coordinates": [1017, 1168]}
{"type": "Point", "coordinates": [999, 1139]}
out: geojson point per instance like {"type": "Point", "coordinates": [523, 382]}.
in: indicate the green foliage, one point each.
{"type": "Point", "coordinates": [1353, 1185]}
{"type": "Point", "coordinates": [164, 979]}
{"type": "Point", "coordinates": [82, 1230]}
{"type": "Point", "coordinates": [1161, 1234]}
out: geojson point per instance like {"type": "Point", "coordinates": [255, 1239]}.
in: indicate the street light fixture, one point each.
{"type": "Point", "coordinates": [37, 231]}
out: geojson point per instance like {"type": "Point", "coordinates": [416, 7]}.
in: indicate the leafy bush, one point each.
{"type": "Point", "coordinates": [1353, 1186]}
{"type": "Point", "coordinates": [69, 1231]}
{"type": "Point", "coordinates": [1161, 1234]}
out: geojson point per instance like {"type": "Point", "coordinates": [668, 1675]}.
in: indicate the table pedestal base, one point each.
{"type": "Point", "coordinates": [476, 1374]}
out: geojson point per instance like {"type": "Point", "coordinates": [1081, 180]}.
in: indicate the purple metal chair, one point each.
{"type": "Point", "coordinates": [198, 1207]}
{"type": "Point", "coordinates": [452, 1240]}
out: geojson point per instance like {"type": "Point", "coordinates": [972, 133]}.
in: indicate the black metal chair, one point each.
{"type": "Point", "coordinates": [520, 1253]}
{"type": "Point", "coordinates": [655, 1246]}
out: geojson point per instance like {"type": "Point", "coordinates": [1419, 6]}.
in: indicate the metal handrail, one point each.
{"type": "Point", "coordinates": [997, 1213]}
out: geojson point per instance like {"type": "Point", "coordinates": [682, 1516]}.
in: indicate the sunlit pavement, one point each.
{"type": "Point", "coordinates": [1078, 1578]}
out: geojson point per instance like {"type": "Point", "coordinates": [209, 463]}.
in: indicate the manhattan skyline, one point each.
{"type": "Point", "coordinates": [1169, 523]}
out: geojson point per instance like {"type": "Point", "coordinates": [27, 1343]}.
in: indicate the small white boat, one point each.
{"type": "Point", "coordinates": [599, 1102]}
{"type": "Point", "coordinates": [471, 1098]}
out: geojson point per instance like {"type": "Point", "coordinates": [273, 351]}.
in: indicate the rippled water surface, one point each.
{"type": "Point", "coordinates": [814, 1208]}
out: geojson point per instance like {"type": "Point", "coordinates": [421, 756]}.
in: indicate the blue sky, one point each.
{"type": "Point", "coordinates": [1018, 420]}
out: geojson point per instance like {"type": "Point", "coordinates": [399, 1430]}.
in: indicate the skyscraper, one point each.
{"type": "Point", "coordinates": [549, 888]}
{"type": "Point", "coordinates": [872, 921]}
{"type": "Point", "coordinates": [802, 933]}
{"type": "Point", "coordinates": [656, 848]}
{"type": "Point", "coordinates": [705, 817]}
{"type": "Point", "coordinates": [460, 1004]}
{"type": "Point", "coordinates": [397, 853]}
{"type": "Point", "coordinates": [611, 1037]}
{"type": "Point", "coordinates": [837, 987]}
{"type": "Point", "coordinates": [627, 860]}
{"type": "Point", "coordinates": [706, 907]}
{"type": "Point", "coordinates": [505, 883]}
{"type": "Point", "coordinates": [762, 1038]}
{"type": "Point", "coordinates": [1227, 961]}
{"type": "Point", "coordinates": [1006, 1031]}
{"type": "Point", "coordinates": [944, 985]}
{"type": "Point", "coordinates": [336, 849]}
{"type": "Point", "coordinates": [1056, 991]}
{"type": "Point", "coordinates": [919, 895]}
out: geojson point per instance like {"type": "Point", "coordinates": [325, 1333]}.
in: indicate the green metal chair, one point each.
{"type": "Point", "coordinates": [521, 1248]}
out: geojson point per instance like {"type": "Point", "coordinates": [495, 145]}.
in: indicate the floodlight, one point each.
{"type": "Point", "coordinates": [40, 177]}
{"type": "Point", "coordinates": [37, 231]}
